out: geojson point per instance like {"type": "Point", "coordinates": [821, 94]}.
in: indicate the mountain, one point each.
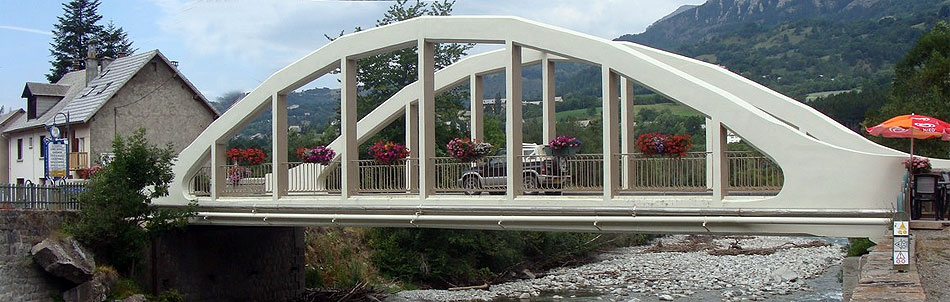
{"type": "Point", "coordinates": [677, 12]}
{"type": "Point", "coordinates": [311, 108]}
{"type": "Point", "coordinates": [799, 47]}
{"type": "Point", "coordinates": [709, 20]}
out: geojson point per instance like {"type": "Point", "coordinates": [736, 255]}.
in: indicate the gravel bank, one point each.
{"type": "Point", "coordinates": [670, 275]}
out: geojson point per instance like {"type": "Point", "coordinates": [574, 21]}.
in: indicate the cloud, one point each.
{"type": "Point", "coordinates": [27, 30]}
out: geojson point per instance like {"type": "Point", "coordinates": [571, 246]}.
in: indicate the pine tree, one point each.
{"type": "Point", "coordinates": [78, 28]}
{"type": "Point", "coordinates": [113, 41]}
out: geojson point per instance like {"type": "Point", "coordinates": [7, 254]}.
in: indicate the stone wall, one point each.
{"type": "Point", "coordinates": [217, 263]}
{"type": "Point", "coordinates": [20, 278]}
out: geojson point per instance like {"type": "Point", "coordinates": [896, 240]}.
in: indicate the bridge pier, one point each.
{"type": "Point", "coordinates": [215, 263]}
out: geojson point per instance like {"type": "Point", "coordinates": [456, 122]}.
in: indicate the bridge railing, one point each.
{"type": "Point", "coordinates": [661, 174]}
{"type": "Point", "coordinates": [749, 171]}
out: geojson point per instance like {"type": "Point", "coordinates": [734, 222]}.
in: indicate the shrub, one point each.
{"type": "Point", "coordinates": [116, 218]}
{"type": "Point", "coordinates": [859, 246]}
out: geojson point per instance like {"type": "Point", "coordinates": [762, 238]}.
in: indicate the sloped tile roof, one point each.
{"type": "Point", "coordinates": [75, 80]}
{"type": "Point", "coordinates": [44, 89]}
{"type": "Point", "coordinates": [101, 89]}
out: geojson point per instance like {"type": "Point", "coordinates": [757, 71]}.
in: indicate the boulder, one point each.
{"type": "Point", "coordinates": [65, 258]}
{"type": "Point", "coordinates": [784, 274]}
{"type": "Point", "coordinates": [135, 298]}
{"type": "Point", "coordinates": [95, 290]}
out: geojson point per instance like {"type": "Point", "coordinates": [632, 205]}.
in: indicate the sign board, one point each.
{"type": "Point", "coordinates": [901, 258]}
{"type": "Point", "coordinates": [901, 228]}
{"type": "Point", "coordinates": [57, 158]}
{"type": "Point", "coordinates": [902, 244]}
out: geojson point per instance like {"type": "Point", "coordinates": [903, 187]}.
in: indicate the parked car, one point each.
{"type": "Point", "coordinates": [542, 172]}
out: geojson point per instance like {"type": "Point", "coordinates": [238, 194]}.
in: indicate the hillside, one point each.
{"type": "Point", "coordinates": [311, 108]}
{"type": "Point", "coordinates": [799, 47]}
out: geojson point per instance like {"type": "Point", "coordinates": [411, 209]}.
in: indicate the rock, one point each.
{"type": "Point", "coordinates": [524, 296]}
{"type": "Point", "coordinates": [556, 297]}
{"type": "Point", "coordinates": [528, 274]}
{"type": "Point", "coordinates": [666, 298]}
{"type": "Point", "coordinates": [95, 290]}
{"type": "Point", "coordinates": [784, 274]}
{"type": "Point", "coordinates": [135, 298]}
{"type": "Point", "coordinates": [65, 258]}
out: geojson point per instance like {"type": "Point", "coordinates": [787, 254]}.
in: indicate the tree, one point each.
{"type": "Point", "coordinates": [116, 218]}
{"type": "Point", "coordinates": [382, 75]}
{"type": "Point", "coordinates": [922, 86]}
{"type": "Point", "coordinates": [113, 41]}
{"type": "Point", "coordinates": [77, 29]}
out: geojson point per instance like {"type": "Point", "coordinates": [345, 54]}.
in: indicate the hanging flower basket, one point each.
{"type": "Point", "coordinates": [388, 153]}
{"type": "Point", "coordinates": [664, 144]}
{"type": "Point", "coordinates": [565, 146]}
{"type": "Point", "coordinates": [319, 154]}
{"type": "Point", "coordinates": [466, 150]}
{"type": "Point", "coordinates": [249, 156]}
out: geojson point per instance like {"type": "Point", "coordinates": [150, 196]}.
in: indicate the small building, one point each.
{"type": "Point", "coordinates": [110, 97]}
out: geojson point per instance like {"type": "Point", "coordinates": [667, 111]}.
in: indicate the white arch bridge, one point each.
{"type": "Point", "coordinates": [832, 182]}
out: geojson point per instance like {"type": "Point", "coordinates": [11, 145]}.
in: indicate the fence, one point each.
{"type": "Point", "coordinates": [748, 172]}
{"type": "Point", "coordinates": [41, 197]}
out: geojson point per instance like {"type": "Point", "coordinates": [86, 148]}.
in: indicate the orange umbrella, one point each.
{"type": "Point", "coordinates": [912, 126]}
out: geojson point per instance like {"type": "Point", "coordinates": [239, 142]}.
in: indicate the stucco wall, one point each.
{"type": "Point", "coordinates": [20, 278]}
{"type": "Point", "coordinates": [155, 98]}
{"type": "Point", "coordinates": [31, 166]}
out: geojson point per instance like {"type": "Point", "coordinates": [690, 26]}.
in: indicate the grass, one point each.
{"type": "Point", "coordinates": [677, 109]}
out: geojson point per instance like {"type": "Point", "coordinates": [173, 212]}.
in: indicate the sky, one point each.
{"type": "Point", "coordinates": [234, 45]}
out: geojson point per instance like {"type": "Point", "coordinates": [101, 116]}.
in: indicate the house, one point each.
{"type": "Point", "coordinates": [110, 97]}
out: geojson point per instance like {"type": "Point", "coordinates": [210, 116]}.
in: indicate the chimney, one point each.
{"type": "Point", "coordinates": [92, 64]}
{"type": "Point", "coordinates": [175, 63]}
{"type": "Point", "coordinates": [76, 66]}
{"type": "Point", "coordinates": [105, 61]}
{"type": "Point", "coordinates": [123, 54]}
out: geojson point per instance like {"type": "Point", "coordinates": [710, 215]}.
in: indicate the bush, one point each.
{"type": "Point", "coordinates": [437, 257]}
{"type": "Point", "coordinates": [116, 218]}
{"type": "Point", "coordinates": [859, 246]}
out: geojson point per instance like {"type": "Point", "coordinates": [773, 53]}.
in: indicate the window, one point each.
{"type": "Point", "coordinates": [42, 146]}
{"type": "Point", "coordinates": [82, 144]}
{"type": "Point", "coordinates": [20, 181]}
{"type": "Point", "coordinates": [31, 142]}
{"type": "Point", "coordinates": [19, 149]}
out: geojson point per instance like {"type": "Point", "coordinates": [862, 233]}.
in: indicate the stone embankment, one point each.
{"type": "Point", "coordinates": [20, 278]}
{"type": "Point", "coordinates": [738, 268]}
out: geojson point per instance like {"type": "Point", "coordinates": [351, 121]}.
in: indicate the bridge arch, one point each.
{"type": "Point", "coordinates": [825, 175]}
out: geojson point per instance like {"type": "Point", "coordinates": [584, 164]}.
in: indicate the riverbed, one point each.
{"type": "Point", "coordinates": [788, 269]}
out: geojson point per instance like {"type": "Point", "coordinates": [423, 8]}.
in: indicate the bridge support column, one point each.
{"type": "Point", "coordinates": [710, 128]}
{"type": "Point", "coordinates": [412, 142]}
{"type": "Point", "coordinates": [628, 142]}
{"type": "Point", "coordinates": [720, 163]}
{"type": "Point", "coordinates": [611, 137]}
{"type": "Point", "coordinates": [218, 171]}
{"type": "Point", "coordinates": [350, 181]}
{"type": "Point", "coordinates": [548, 121]}
{"type": "Point", "coordinates": [279, 146]}
{"type": "Point", "coordinates": [477, 123]}
{"type": "Point", "coordinates": [427, 118]}
{"type": "Point", "coordinates": [513, 120]}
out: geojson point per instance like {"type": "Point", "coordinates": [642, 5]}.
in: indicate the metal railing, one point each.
{"type": "Point", "coordinates": [752, 171]}
{"type": "Point", "coordinates": [749, 171]}
{"type": "Point", "coordinates": [41, 197]}
{"type": "Point", "coordinates": [657, 173]}
{"type": "Point", "coordinates": [246, 179]}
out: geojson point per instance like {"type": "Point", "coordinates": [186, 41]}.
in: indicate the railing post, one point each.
{"type": "Point", "coordinates": [426, 70]}
{"type": "Point", "coordinates": [279, 169]}
{"type": "Point", "coordinates": [478, 108]}
{"type": "Point", "coordinates": [218, 170]}
{"type": "Point", "coordinates": [513, 120]}
{"type": "Point", "coordinates": [610, 137]}
{"type": "Point", "coordinates": [549, 123]}
{"type": "Point", "coordinates": [412, 142]}
{"type": "Point", "coordinates": [720, 163]}
{"type": "Point", "coordinates": [628, 143]}
{"type": "Point", "coordinates": [350, 167]}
